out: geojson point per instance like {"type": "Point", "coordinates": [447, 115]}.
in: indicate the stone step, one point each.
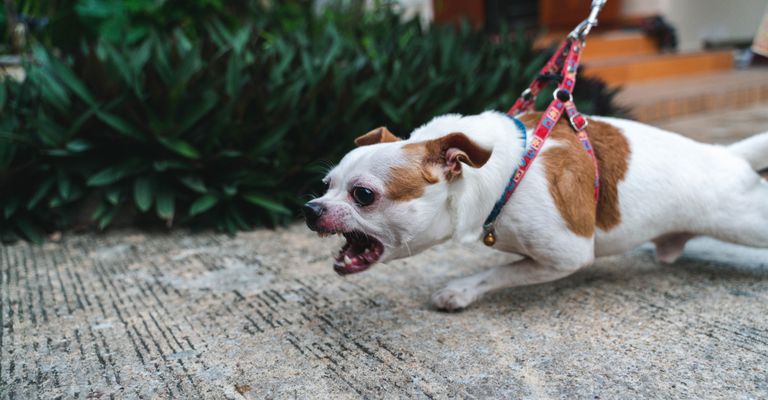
{"type": "Point", "coordinates": [629, 70]}
{"type": "Point", "coordinates": [666, 99]}
{"type": "Point", "coordinates": [618, 44]}
{"type": "Point", "coordinates": [610, 44]}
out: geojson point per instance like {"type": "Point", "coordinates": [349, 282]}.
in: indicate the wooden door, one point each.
{"type": "Point", "coordinates": [566, 14]}
{"type": "Point", "coordinates": [452, 11]}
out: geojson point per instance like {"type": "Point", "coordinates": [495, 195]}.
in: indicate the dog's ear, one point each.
{"type": "Point", "coordinates": [455, 149]}
{"type": "Point", "coordinates": [378, 135]}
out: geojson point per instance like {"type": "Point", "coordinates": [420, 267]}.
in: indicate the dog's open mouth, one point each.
{"type": "Point", "coordinates": [358, 254]}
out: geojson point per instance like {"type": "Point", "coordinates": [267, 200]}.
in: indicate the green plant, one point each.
{"type": "Point", "coordinates": [229, 123]}
{"type": "Point", "coordinates": [67, 23]}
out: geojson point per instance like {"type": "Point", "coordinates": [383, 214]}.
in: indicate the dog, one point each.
{"type": "Point", "coordinates": [393, 198]}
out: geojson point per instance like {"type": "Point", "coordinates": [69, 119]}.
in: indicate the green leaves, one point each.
{"type": "Point", "coordinates": [202, 204]}
{"type": "Point", "coordinates": [266, 203]}
{"type": "Point", "coordinates": [197, 114]}
{"type": "Point", "coordinates": [41, 191]}
{"type": "Point", "coordinates": [180, 146]}
{"type": "Point", "coordinates": [103, 215]}
{"type": "Point", "coordinates": [194, 183]}
{"type": "Point", "coordinates": [165, 204]}
{"type": "Point", "coordinates": [142, 193]}
{"type": "Point", "coordinates": [64, 184]}
{"type": "Point", "coordinates": [30, 230]}
{"type": "Point", "coordinates": [10, 206]}
{"type": "Point", "coordinates": [78, 146]}
{"type": "Point", "coordinates": [3, 96]}
{"type": "Point", "coordinates": [120, 125]}
{"type": "Point", "coordinates": [106, 176]}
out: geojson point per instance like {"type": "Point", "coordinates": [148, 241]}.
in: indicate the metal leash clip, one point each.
{"type": "Point", "coordinates": [582, 30]}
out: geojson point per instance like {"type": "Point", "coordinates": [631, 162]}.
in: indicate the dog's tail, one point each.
{"type": "Point", "coordinates": [753, 149]}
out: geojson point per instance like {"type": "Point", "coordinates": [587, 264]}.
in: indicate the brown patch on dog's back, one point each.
{"type": "Point", "coordinates": [571, 174]}
{"type": "Point", "coordinates": [612, 151]}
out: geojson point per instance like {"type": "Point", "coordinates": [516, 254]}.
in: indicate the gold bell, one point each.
{"type": "Point", "coordinates": [489, 239]}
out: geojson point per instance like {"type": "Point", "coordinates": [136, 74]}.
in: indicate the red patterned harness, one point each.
{"type": "Point", "coordinates": [563, 64]}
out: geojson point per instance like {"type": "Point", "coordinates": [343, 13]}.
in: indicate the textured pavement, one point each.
{"type": "Point", "coordinates": [132, 314]}
{"type": "Point", "coordinates": [262, 315]}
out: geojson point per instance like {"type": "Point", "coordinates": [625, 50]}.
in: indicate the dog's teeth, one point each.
{"type": "Point", "coordinates": [347, 260]}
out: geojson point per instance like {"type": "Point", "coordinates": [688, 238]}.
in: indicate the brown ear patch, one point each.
{"type": "Point", "coordinates": [570, 174]}
{"type": "Point", "coordinates": [450, 151]}
{"type": "Point", "coordinates": [473, 155]}
{"type": "Point", "coordinates": [378, 135]}
{"type": "Point", "coordinates": [408, 181]}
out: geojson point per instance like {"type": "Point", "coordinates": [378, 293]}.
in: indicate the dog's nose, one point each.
{"type": "Point", "coordinates": [313, 212]}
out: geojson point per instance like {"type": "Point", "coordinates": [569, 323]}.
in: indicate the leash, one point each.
{"type": "Point", "coordinates": [562, 66]}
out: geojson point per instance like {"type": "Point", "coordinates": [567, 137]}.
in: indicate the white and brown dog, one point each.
{"type": "Point", "coordinates": [393, 198]}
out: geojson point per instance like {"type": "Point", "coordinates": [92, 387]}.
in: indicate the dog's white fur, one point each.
{"type": "Point", "coordinates": [674, 189]}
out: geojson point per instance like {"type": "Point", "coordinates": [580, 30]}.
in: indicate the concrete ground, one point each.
{"type": "Point", "coordinates": [263, 315]}
{"type": "Point", "coordinates": [131, 315]}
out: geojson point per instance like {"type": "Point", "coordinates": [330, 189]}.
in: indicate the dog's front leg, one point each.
{"type": "Point", "coordinates": [462, 292]}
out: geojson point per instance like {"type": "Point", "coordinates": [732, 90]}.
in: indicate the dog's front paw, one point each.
{"type": "Point", "coordinates": [453, 299]}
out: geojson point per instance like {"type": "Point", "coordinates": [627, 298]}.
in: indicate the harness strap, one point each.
{"type": "Point", "coordinates": [565, 61]}
{"type": "Point", "coordinates": [554, 66]}
{"type": "Point", "coordinates": [579, 123]}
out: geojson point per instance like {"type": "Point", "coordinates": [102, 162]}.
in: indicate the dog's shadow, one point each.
{"type": "Point", "coordinates": [635, 275]}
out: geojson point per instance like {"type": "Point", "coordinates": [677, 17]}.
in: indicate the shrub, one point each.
{"type": "Point", "coordinates": [228, 121]}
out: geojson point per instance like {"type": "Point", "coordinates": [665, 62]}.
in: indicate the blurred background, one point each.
{"type": "Point", "coordinates": [221, 114]}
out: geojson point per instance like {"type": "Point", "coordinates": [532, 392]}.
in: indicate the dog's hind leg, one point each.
{"type": "Point", "coordinates": [462, 292]}
{"type": "Point", "coordinates": [670, 247]}
{"type": "Point", "coordinates": [743, 217]}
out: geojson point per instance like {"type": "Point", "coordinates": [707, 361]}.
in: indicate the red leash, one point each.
{"type": "Point", "coordinates": [562, 65]}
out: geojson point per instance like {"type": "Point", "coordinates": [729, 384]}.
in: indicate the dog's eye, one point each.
{"type": "Point", "coordinates": [363, 196]}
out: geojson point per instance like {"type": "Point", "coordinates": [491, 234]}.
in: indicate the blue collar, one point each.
{"type": "Point", "coordinates": [488, 224]}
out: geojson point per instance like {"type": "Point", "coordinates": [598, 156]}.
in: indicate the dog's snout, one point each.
{"type": "Point", "coordinates": [312, 212]}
